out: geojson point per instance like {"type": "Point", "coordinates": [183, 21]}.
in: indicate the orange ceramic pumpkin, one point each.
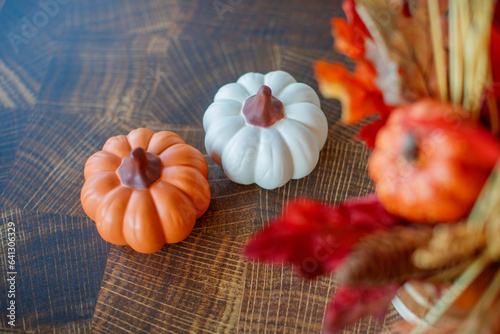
{"type": "Point", "coordinates": [430, 162]}
{"type": "Point", "coordinates": [145, 189]}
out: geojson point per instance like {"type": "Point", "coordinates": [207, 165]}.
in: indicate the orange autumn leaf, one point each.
{"type": "Point", "coordinates": [347, 40]}
{"type": "Point", "coordinates": [349, 35]}
{"type": "Point", "coordinates": [356, 92]}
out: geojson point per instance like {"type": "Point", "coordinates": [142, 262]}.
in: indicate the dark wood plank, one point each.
{"type": "Point", "coordinates": [174, 85]}
{"type": "Point", "coordinates": [287, 23]}
{"type": "Point", "coordinates": [12, 129]}
{"type": "Point", "coordinates": [30, 30]}
{"type": "Point", "coordinates": [59, 261]}
{"type": "Point", "coordinates": [47, 173]}
{"type": "Point", "coordinates": [132, 17]}
{"type": "Point", "coordinates": [103, 82]}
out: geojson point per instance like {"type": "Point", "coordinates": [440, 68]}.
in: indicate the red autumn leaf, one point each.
{"type": "Point", "coordinates": [349, 7]}
{"type": "Point", "coordinates": [368, 133]}
{"type": "Point", "coordinates": [353, 303]}
{"type": "Point", "coordinates": [316, 237]}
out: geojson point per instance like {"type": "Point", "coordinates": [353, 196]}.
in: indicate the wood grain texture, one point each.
{"type": "Point", "coordinates": [12, 130]}
{"type": "Point", "coordinates": [47, 173]}
{"type": "Point", "coordinates": [132, 17]}
{"type": "Point", "coordinates": [59, 263]}
{"type": "Point", "coordinates": [288, 23]}
{"type": "Point", "coordinates": [96, 69]}
{"type": "Point", "coordinates": [29, 40]}
{"type": "Point", "coordinates": [149, 85]}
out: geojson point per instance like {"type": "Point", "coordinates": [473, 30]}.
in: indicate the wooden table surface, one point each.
{"type": "Point", "coordinates": [75, 72]}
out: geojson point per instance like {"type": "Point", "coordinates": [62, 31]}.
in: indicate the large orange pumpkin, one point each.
{"type": "Point", "coordinates": [145, 189]}
{"type": "Point", "coordinates": [430, 162]}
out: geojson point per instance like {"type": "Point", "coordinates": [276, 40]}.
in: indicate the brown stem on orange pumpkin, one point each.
{"type": "Point", "coordinates": [263, 109]}
{"type": "Point", "coordinates": [140, 169]}
{"type": "Point", "coordinates": [410, 147]}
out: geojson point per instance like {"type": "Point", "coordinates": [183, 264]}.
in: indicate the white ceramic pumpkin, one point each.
{"type": "Point", "coordinates": [265, 129]}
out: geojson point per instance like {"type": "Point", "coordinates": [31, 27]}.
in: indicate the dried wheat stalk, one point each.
{"type": "Point", "coordinates": [385, 257]}
{"type": "Point", "coordinates": [450, 244]}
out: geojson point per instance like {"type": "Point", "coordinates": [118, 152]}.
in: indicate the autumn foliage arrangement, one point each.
{"type": "Point", "coordinates": [427, 78]}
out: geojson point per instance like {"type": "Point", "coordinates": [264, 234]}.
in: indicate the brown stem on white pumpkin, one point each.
{"type": "Point", "coordinates": [140, 169]}
{"type": "Point", "coordinates": [263, 109]}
